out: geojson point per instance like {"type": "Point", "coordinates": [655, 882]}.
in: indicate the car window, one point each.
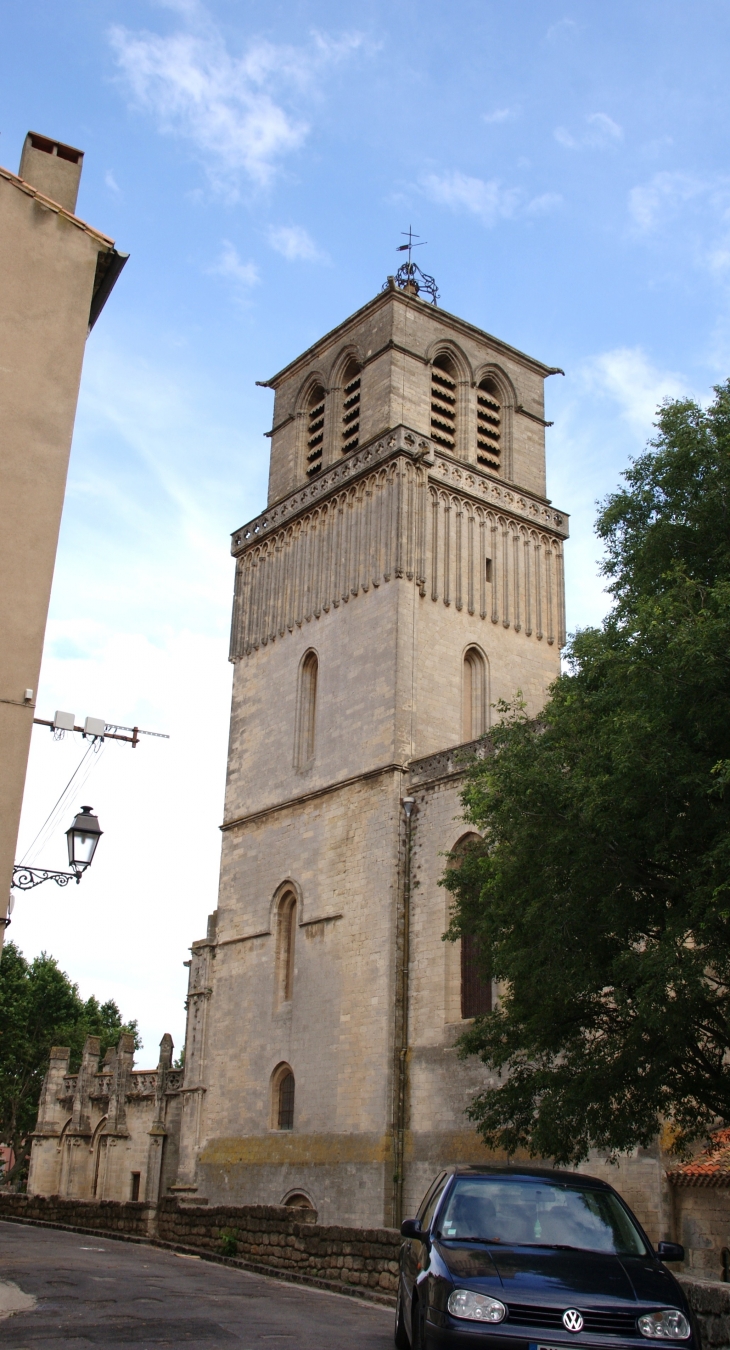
{"type": "Point", "coordinates": [430, 1200]}
{"type": "Point", "coordinates": [537, 1214]}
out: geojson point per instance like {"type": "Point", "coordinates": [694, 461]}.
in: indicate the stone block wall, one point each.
{"type": "Point", "coordinates": [710, 1302]}
{"type": "Point", "coordinates": [133, 1219]}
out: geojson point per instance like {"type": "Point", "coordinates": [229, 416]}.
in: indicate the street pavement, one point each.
{"type": "Point", "coordinates": [97, 1292]}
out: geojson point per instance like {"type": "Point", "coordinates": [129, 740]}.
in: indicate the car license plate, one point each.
{"type": "Point", "coordinates": [538, 1345]}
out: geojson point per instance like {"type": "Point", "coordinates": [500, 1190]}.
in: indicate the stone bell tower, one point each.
{"type": "Point", "coordinates": [406, 573]}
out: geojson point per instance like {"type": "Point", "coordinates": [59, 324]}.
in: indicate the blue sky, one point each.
{"type": "Point", "coordinates": [567, 163]}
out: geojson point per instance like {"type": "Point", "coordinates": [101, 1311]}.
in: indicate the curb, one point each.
{"type": "Point", "coordinates": [237, 1263]}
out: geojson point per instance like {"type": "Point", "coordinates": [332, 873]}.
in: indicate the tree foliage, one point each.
{"type": "Point", "coordinates": [601, 893]}
{"type": "Point", "coordinates": [41, 1007]}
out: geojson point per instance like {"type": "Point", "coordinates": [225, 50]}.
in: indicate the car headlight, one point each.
{"type": "Point", "coordinates": [476, 1307]}
{"type": "Point", "coordinates": [669, 1324]}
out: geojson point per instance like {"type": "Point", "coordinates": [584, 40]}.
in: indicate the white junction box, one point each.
{"type": "Point", "coordinates": [63, 721]}
{"type": "Point", "coordinates": [94, 726]}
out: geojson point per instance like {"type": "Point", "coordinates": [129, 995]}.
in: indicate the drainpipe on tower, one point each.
{"type": "Point", "coordinates": [402, 950]}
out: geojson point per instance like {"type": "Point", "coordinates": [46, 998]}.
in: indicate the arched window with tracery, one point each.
{"type": "Point", "coordinates": [443, 402]}
{"type": "Point", "coordinates": [286, 929]}
{"type": "Point", "coordinates": [489, 425]}
{"type": "Point", "coordinates": [476, 985]}
{"type": "Point", "coordinates": [282, 1098]}
{"type": "Point", "coordinates": [475, 702]}
{"type": "Point", "coordinates": [315, 430]}
{"type": "Point", "coordinates": [350, 433]}
{"type": "Point", "coordinates": [306, 721]}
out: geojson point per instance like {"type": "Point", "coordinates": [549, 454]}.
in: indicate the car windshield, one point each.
{"type": "Point", "coordinates": [539, 1214]}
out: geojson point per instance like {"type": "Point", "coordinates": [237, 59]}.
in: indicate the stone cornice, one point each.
{"type": "Point", "coordinates": [442, 470]}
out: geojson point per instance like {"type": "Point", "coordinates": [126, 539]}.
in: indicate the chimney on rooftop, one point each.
{"type": "Point", "coordinates": [53, 168]}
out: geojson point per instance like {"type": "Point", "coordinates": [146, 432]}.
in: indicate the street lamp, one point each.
{"type": "Point", "coordinates": [82, 838]}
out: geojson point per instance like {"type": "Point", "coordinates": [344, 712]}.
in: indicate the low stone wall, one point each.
{"type": "Point", "coordinates": [710, 1302]}
{"type": "Point", "coordinates": [275, 1238]}
{"type": "Point", "coordinates": [133, 1219]}
{"type": "Point", "coordinates": [271, 1239]}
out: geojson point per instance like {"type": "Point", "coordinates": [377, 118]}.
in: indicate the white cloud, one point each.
{"type": "Point", "coordinates": [490, 201]}
{"type": "Point", "coordinates": [229, 265]}
{"type": "Point", "coordinates": [601, 131]}
{"type": "Point", "coordinates": [547, 201]}
{"type": "Point", "coordinates": [562, 29]}
{"type": "Point", "coordinates": [111, 181]}
{"type": "Point", "coordinates": [651, 202]}
{"type": "Point", "coordinates": [232, 108]}
{"type": "Point", "coordinates": [294, 244]}
{"type": "Point", "coordinates": [499, 115]}
{"type": "Point", "coordinates": [627, 377]}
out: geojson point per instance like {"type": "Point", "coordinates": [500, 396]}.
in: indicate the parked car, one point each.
{"type": "Point", "coordinates": [521, 1258]}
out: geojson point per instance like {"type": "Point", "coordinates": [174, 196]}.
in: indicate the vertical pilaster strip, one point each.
{"type": "Point", "coordinates": [482, 566]}
{"type": "Point", "coordinates": [299, 582]}
{"type": "Point", "coordinates": [447, 550]}
{"type": "Point", "coordinates": [347, 524]}
{"type": "Point", "coordinates": [410, 521]}
{"type": "Point", "coordinates": [378, 490]}
{"type": "Point", "coordinates": [505, 576]}
{"type": "Point", "coordinates": [233, 651]}
{"type": "Point", "coordinates": [336, 550]}
{"type": "Point", "coordinates": [256, 605]}
{"type": "Point", "coordinates": [247, 632]}
{"type": "Point", "coordinates": [275, 587]}
{"type": "Point", "coordinates": [434, 546]}
{"type": "Point", "coordinates": [495, 570]}
{"type": "Point", "coordinates": [388, 524]}
{"type": "Point", "coordinates": [470, 561]}
{"type": "Point", "coordinates": [549, 592]}
{"type": "Point", "coordinates": [327, 537]}
{"type": "Point", "coordinates": [421, 509]}
{"type": "Point", "coordinates": [516, 552]}
{"type": "Point", "coordinates": [367, 548]}
{"type": "Point", "coordinates": [528, 588]}
{"type": "Point", "coordinates": [459, 551]}
{"type": "Point", "coordinates": [399, 523]}
{"type": "Point", "coordinates": [538, 589]}
{"type": "Point", "coordinates": [560, 569]}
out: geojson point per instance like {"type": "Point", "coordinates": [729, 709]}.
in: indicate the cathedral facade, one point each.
{"type": "Point", "coordinates": [406, 574]}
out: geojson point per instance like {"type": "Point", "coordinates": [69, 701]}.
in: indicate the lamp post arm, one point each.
{"type": "Point", "coordinates": [25, 878]}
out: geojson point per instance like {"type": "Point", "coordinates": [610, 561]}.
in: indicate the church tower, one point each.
{"type": "Point", "coordinates": [406, 574]}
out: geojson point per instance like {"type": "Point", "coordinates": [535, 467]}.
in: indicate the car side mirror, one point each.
{"type": "Point", "coordinates": [410, 1228]}
{"type": "Point", "coordinates": [670, 1251]}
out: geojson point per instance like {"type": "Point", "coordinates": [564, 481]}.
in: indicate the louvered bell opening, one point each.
{"type": "Point", "coordinates": [351, 409]}
{"type": "Point", "coordinates": [315, 432]}
{"type": "Point", "coordinates": [489, 425]}
{"type": "Point", "coordinates": [443, 403]}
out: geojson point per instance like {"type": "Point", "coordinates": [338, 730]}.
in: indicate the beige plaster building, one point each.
{"type": "Point", "coordinates": [406, 574]}
{"type": "Point", "coordinates": [56, 273]}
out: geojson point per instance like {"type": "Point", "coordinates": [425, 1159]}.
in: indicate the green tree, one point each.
{"type": "Point", "coordinates": [601, 892]}
{"type": "Point", "coordinates": [41, 1007]}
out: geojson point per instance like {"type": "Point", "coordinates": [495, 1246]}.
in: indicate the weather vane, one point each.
{"type": "Point", "coordinates": [409, 276]}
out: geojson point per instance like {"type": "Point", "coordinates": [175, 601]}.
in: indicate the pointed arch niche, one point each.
{"type": "Point", "coordinates": [467, 993]}
{"type": "Point", "coordinates": [306, 715]}
{"type": "Point", "coordinates": [475, 694]}
{"type": "Point", "coordinates": [282, 1098]}
{"type": "Point", "coordinates": [286, 931]}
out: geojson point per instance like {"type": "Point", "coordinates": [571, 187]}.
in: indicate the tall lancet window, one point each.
{"type": "Point", "coordinates": [286, 928]}
{"type": "Point", "coordinates": [306, 711]}
{"type": "Point", "coordinates": [443, 402]}
{"type": "Point", "coordinates": [351, 407]}
{"type": "Point", "coordinates": [474, 701]}
{"type": "Point", "coordinates": [489, 425]}
{"type": "Point", "coordinates": [315, 430]}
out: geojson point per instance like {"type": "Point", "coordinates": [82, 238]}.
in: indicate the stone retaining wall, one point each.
{"type": "Point", "coordinates": [710, 1301]}
{"type": "Point", "coordinates": [272, 1239]}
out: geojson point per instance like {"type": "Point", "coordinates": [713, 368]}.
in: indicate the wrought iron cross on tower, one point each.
{"type": "Point", "coordinates": [409, 276]}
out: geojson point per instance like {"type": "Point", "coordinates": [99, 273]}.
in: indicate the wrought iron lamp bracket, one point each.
{"type": "Point", "coordinates": [25, 878]}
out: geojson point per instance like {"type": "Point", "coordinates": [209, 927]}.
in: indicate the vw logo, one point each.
{"type": "Point", "coordinates": [572, 1320]}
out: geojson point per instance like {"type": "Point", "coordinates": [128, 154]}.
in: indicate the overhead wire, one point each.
{"type": "Point", "coordinates": [57, 810]}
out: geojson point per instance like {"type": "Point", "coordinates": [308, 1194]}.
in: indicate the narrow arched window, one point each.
{"type": "Point", "coordinates": [476, 987]}
{"type": "Point", "coordinates": [489, 425]}
{"type": "Point", "coordinates": [315, 430]}
{"type": "Point", "coordinates": [285, 1120]}
{"type": "Point", "coordinates": [306, 711]}
{"type": "Point", "coordinates": [286, 927]}
{"type": "Point", "coordinates": [443, 402]}
{"type": "Point", "coordinates": [474, 699]}
{"type": "Point", "coordinates": [351, 407]}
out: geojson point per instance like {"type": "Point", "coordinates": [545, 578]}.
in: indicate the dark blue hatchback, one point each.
{"type": "Point", "coordinates": [528, 1259]}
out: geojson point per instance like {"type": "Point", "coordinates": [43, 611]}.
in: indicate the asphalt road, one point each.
{"type": "Point", "coordinates": [96, 1292]}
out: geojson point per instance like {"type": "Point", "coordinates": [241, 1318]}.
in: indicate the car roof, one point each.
{"type": "Point", "coordinates": [556, 1174]}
